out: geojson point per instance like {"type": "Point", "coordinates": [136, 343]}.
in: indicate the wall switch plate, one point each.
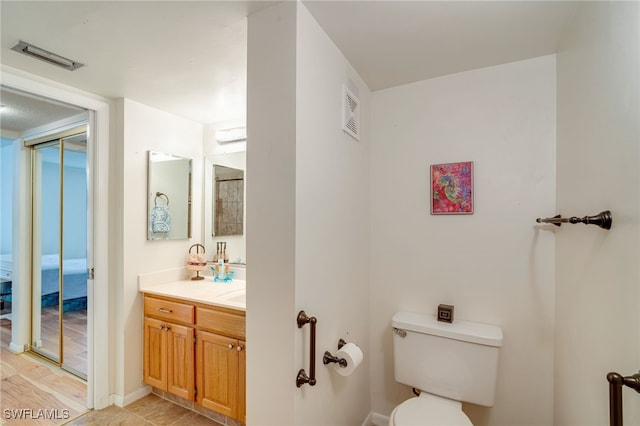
{"type": "Point", "coordinates": [445, 313]}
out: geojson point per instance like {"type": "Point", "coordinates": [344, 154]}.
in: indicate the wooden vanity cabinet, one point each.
{"type": "Point", "coordinates": [220, 361]}
{"type": "Point", "coordinates": [169, 347]}
{"type": "Point", "coordinates": [191, 346]}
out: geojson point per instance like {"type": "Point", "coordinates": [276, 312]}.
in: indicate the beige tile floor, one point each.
{"type": "Point", "coordinates": [148, 411]}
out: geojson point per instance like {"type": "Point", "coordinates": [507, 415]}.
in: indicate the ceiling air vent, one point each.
{"type": "Point", "coordinates": [351, 114]}
{"type": "Point", "coordinates": [46, 56]}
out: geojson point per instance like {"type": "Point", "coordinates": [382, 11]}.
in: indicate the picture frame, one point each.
{"type": "Point", "coordinates": [452, 188]}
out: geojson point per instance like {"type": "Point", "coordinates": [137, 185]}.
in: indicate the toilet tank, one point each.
{"type": "Point", "coordinates": [456, 360]}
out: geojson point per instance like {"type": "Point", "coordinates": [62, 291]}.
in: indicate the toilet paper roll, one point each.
{"type": "Point", "coordinates": [353, 355]}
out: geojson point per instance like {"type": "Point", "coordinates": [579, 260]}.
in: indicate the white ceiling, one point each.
{"type": "Point", "coordinates": [391, 43]}
{"type": "Point", "coordinates": [189, 57]}
{"type": "Point", "coordinates": [22, 111]}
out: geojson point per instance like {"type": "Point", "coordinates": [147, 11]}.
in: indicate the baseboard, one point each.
{"type": "Point", "coordinates": [379, 419]}
{"type": "Point", "coordinates": [123, 401]}
{"type": "Point", "coordinates": [367, 420]}
{"type": "Point", "coordinates": [16, 349]}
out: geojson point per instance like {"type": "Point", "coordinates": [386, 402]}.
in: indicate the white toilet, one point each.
{"type": "Point", "coordinates": [448, 363]}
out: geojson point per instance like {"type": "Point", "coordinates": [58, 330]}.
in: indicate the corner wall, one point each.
{"type": "Point", "coordinates": [597, 271]}
{"type": "Point", "coordinates": [332, 227]}
{"type": "Point", "coordinates": [143, 129]}
{"type": "Point", "coordinates": [307, 222]}
{"type": "Point", "coordinates": [271, 153]}
{"type": "Point", "coordinates": [496, 266]}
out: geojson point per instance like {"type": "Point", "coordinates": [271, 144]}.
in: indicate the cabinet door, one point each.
{"type": "Point", "coordinates": [180, 362]}
{"type": "Point", "coordinates": [217, 366]}
{"type": "Point", "coordinates": [242, 380]}
{"type": "Point", "coordinates": [155, 350]}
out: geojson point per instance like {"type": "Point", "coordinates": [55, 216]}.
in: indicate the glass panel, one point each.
{"type": "Point", "coordinates": [74, 266]}
{"type": "Point", "coordinates": [45, 333]}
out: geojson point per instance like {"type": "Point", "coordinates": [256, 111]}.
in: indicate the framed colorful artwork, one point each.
{"type": "Point", "coordinates": [452, 188]}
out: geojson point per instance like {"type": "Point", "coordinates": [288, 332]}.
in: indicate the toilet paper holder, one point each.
{"type": "Point", "coordinates": [328, 358]}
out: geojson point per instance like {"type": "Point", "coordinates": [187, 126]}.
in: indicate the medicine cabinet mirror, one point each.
{"type": "Point", "coordinates": [224, 204]}
{"type": "Point", "coordinates": [168, 197]}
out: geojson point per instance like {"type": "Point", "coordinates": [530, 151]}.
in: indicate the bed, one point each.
{"type": "Point", "coordinates": [75, 281]}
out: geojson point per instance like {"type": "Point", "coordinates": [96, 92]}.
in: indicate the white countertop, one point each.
{"type": "Point", "coordinates": [229, 295]}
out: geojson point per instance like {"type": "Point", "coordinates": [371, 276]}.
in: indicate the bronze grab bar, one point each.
{"type": "Point", "coordinates": [302, 376]}
{"type": "Point", "coordinates": [616, 381]}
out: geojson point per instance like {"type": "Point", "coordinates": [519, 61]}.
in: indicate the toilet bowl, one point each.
{"type": "Point", "coordinates": [429, 410]}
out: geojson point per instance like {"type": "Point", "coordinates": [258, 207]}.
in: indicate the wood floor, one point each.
{"type": "Point", "coordinates": [32, 392]}
{"type": "Point", "coordinates": [74, 333]}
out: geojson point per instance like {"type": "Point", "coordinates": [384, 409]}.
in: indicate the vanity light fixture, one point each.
{"type": "Point", "coordinates": [44, 55]}
{"type": "Point", "coordinates": [236, 134]}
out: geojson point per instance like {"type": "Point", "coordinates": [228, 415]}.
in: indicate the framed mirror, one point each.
{"type": "Point", "coordinates": [224, 206]}
{"type": "Point", "coordinates": [168, 197]}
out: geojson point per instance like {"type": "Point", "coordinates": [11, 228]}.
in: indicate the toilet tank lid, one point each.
{"type": "Point", "coordinates": [467, 331]}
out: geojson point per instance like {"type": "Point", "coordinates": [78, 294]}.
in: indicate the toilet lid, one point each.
{"type": "Point", "coordinates": [426, 412]}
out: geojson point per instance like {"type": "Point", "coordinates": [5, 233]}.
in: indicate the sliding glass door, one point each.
{"type": "Point", "coordinates": [59, 244]}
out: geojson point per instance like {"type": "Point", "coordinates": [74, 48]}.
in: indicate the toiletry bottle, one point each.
{"type": "Point", "coordinates": [220, 267]}
{"type": "Point", "coordinates": [225, 257]}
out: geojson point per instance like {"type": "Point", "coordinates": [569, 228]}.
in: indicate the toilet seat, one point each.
{"type": "Point", "coordinates": [429, 410]}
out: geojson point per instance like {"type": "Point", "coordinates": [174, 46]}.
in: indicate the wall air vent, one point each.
{"type": "Point", "coordinates": [46, 56]}
{"type": "Point", "coordinates": [351, 114]}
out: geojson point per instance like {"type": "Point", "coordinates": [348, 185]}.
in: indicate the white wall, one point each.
{"type": "Point", "coordinates": [495, 266]}
{"type": "Point", "coordinates": [142, 128]}
{"type": "Point", "coordinates": [597, 271]}
{"type": "Point", "coordinates": [307, 222]}
{"type": "Point", "coordinates": [332, 226]}
{"type": "Point", "coordinates": [271, 156]}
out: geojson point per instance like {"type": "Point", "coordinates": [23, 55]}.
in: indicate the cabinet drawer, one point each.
{"type": "Point", "coordinates": [221, 322]}
{"type": "Point", "coordinates": [168, 310]}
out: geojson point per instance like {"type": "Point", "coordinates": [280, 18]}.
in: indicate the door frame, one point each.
{"type": "Point", "coordinates": [99, 359]}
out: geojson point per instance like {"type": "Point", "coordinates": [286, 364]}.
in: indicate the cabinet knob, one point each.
{"type": "Point", "coordinates": [161, 327]}
{"type": "Point", "coordinates": [230, 346]}
{"type": "Point", "coordinates": [167, 328]}
{"type": "Point", "coordinates": [240, 348]}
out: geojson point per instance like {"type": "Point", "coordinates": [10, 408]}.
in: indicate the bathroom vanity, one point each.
{"type": "Point", "coordinates": [194, 342]}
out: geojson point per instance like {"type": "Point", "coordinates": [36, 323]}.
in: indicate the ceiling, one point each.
{"type": "Point", "coordinates": [189, 57]}
{"type": "Point", "coordinates": [391, 43]}
{"type": "Point", "coordinates": [22, 111]}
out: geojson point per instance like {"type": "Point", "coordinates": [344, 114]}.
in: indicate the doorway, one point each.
{"type": "Point", "coordinates": [59, 249]}
{"type": "Point", "coordinates": [96, 112]}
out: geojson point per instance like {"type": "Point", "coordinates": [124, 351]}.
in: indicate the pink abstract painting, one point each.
{"type": "Point", "coordinates": [452, 188]}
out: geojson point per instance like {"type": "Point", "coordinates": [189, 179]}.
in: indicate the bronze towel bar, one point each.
{"type": "Point", "coordinates": [602, 219]}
